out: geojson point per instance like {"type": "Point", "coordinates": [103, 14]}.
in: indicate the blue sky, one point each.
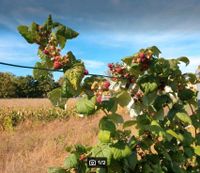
{"type": "Point", "coordinates": [109, 30]}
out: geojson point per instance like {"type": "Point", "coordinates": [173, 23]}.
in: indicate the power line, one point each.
{"type": "Point", "coordinates": [46, 69]}
{"type": "Point", "coordinates": [29, 67]}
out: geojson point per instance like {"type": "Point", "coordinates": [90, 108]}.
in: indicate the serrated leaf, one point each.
{"type": "Point", "coordinates": [128, 60]}
{"type": "Point", "coordinates": [86, 106]}
{"type": "Point", "coordinates": [161, 100]}
{"type": "Point", "coordinates": [197, 150]}
{"type": "Point", "coordinates": [49, 23]}
{"type": "Point", "coordinates": [109, 104]}
{"type": "Point", "coordinates": [37, 73]}
{"type": "Point", "coordinates": [132, 142]}
{"type": "Point", "coordinates": [147, 84]}
{"type": "Point", "coordinates": [123, 98]}
{"type": "Point", "coordinates": [131, 161]}
{"type": "Point", "coordinates": [159, 115]}
{"type": "Point", "coordinates": [75, 74]}
{"type": "Point", "coordinates": [185, 94]}
{"type": "Point", "coordinates": [185, 118]}
{"type": "Point", "coordinates": [63, 33]}
{"type": "Point", "coordinates": [191, 77]}
{"type": "Point", "coordinates": [71, 161]}
{"type": "Point", "coordinates": [56, 170]}
{"type": "Point", "coordinates": [184, 59]}
{"type": "Point", "coordinates": [102, 150]}
{"type": "Point", "coordinates": [116, 118]}
{"type": "Point", "coordinates": [120, 150]}
{"type": "Point", "coordinates": [149, 98]}
{"type": "Point", "coordinates": [129, 123]}
{"type": "Point", "coordinates": [24, 31]}
{"type": "Point", "coordinates": [107, 124]}
{"type": "Point", "coordinates": [174, 134]}
{"type": "Point", "coordinates": [104, 136]}
{"type": "Point", "coordinates": [56, 99]}
{"type": "Point", "coordinates": [67, 89]}
{"type": "Point", "coordinates": [155, 51]}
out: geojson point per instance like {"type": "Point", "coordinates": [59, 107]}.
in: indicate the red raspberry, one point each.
{"type": "Point", "coordinates": [86, 72]}
{"type": "Point", "coordinates": [119, 70]}
{"type": "Point", "coordinates": [110, 65]}
{"type": "Point", "coordinates": [57, 65]}
{"type": "Point", "coordinates": [106, 84]}
{"type": "Point", "coordinates": [99, 99]}
{"type": "Point", "coordinates": [45, 51]}
{"type": "Point", "coordinates": [141, 55]}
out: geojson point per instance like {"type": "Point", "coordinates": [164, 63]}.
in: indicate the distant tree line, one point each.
{"type": "Point", "coordinates": [12, 86]}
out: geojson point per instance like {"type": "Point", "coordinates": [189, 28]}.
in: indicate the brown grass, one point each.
{"type": "Point", "coordinates": [34, 146]}
{"type": "Point", "coordinates": [34, 103]}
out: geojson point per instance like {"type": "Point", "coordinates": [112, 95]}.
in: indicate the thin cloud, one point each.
{"type": "Point", "coordinates": [93, 64]}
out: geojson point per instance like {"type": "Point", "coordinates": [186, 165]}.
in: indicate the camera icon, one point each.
{"type": "Point", "coordinates": [92, 163]}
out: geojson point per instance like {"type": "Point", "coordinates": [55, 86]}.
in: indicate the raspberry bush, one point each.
{"type": "Point", "coordinates": [160, 98]}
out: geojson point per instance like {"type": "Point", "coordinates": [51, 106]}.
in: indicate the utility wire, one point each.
{"type": "Point", "coordinates": [29, 67]}
{"type": "Point", "coordinates": [46, 69]}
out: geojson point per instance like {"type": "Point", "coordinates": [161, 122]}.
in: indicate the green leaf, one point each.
{"type": "Point", "coordinates": [107, 124]}
{"type": "Point", "coordinates": [116, 118]}
{"type": "Point", "coordinates": [161, 101]}
{"type": "Point", "coordinates": [128, 60]}
{"type": "Point", "coordinates": [72, 80]}
{"type": "Point", "coordinates": [184, 59]}
{"type": "Point", "coordinates": [197, 150]}
{"type": "Point", "coordinates": [123, 98]}
{"type": "Point", "coordinates": [104, 136]}
{"type": "Point", "coordinates": [129, 123]}
{"type": "Point", "coordinates": [86, 106]}
{"type": "Point", "coordinates": [102, 150]}
{"type": "Point", "coordinates": [147, 84]}
{"type": "Point", "coordinates": [155, 51]}
{"type": "Point", "coordinates": [131, 161]}
{"type": "Point", "coordinates": [159, 115]}
{"type": "Point", "coordinates": [191, 77]}
{"type": "Point", "coordinates": [56, 99]}
{"type": "Point", "coordinates": [109, 104]}
{"type": "Point", "coordinates": [101, 170]}
{"type": "Point", "coordinates": [132, 142]}
{"type": "Point", "coordinates": [185, 118]}
{"type": "Point", "coordinates": [38, 74]}
{"type": "Point", "coordinates": [174, 134]}
{"type": "Point", "coordinates": [56, 170]}
{"type": "Point", "coordinates": [189, 151]}
{"type": "Point", "coordinates": [149, 98]}
{"type": "Point", "coordinates": [63, 33]}
{"type": "Point", "coordinates": [71, 161]}
{"type": "Point", "coordinates": [75, 74]}
{"type": "Point", "coordinates": [23, 30]}
{"type": "Point", "coordinates": [67, 89]}
{"type": "Point", "coordinates": [49, 23]}
{"type": "Point", "coordinates": [185, 94]}
{"type": "Point", "coordinates": [120, 150]}
{"type": "Point", "coordinates": [45, 59]}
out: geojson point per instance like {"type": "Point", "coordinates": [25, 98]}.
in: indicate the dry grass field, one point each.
{"type": "Point", "coordinates": [24, 103]}
{"type": "Point", "coordinates": [34, 146]}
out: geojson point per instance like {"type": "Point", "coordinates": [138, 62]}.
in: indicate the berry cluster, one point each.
{"type": "Point", "coordinates": [53, 52]}
{"type": "Point", "coordinates": [43, 34]}
{"type": "Point", "coordinates": [143, 58]}
{"type": "Point", "coordinates": [137, 97]}
{"type": "Point", "coordinates": [119, 71]}
{"type": "Point", "coordinates": [101, 91]}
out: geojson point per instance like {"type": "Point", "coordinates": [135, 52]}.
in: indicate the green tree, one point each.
{"type": "Point", "coordinates": [7, 85]}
